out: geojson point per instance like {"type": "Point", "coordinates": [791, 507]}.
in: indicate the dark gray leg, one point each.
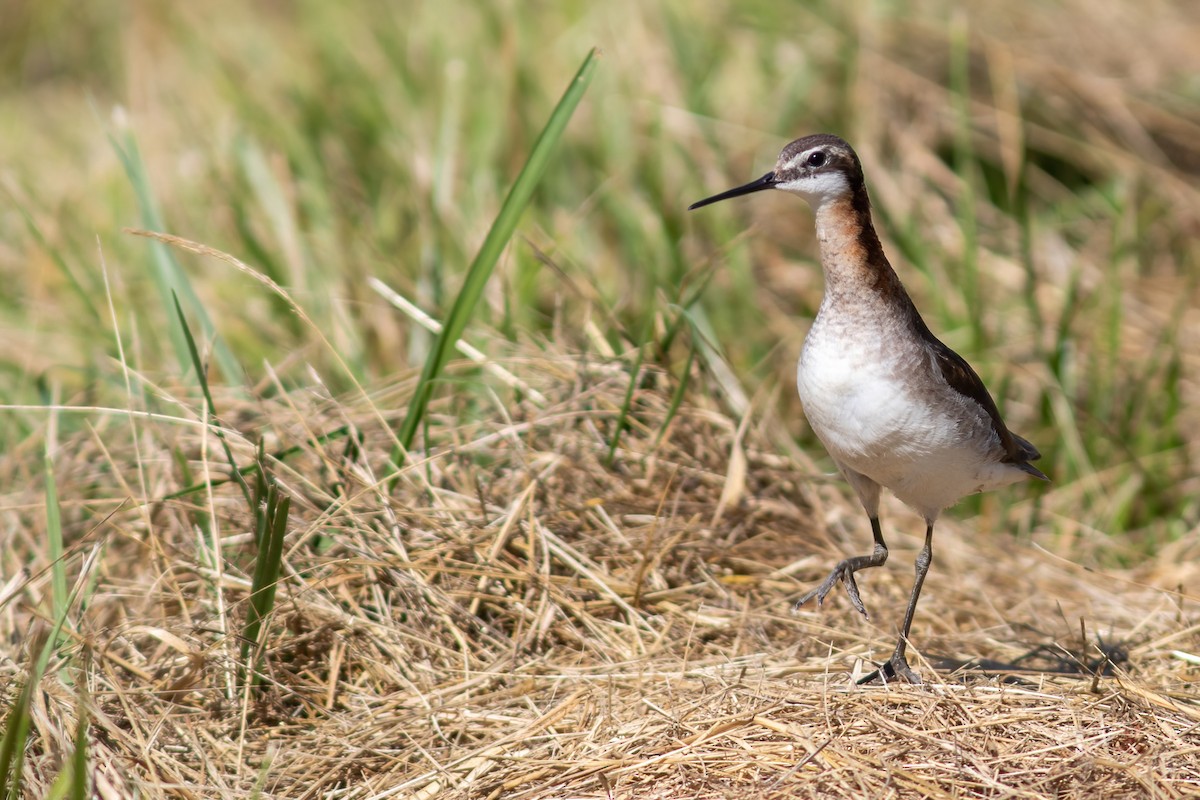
{"type": "Point", "coordinates": [897, 667]}
{"type": "Point", "coordinates": [845, 570]}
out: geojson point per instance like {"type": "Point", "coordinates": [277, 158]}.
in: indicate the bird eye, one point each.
{"type": "Point", "coordinates": [817, 159]}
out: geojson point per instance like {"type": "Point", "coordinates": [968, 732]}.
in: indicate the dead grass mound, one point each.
{"type": "Point", "coordinates": [520, 618]}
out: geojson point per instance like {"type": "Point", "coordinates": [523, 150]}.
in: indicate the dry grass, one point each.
{"type": "Point", "coordinates": [519, 621]}
{"type": "Point", "coordinates": [518, 618]}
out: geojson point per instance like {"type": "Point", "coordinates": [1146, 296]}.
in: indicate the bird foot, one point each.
{"type": "Point", "coordinates": [844, 571]}
{"type": "Point", "coordinates": [894, 670]}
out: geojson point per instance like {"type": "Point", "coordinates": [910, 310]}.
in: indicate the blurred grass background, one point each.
{"type": "Point", "coordinates": [1034, 170]}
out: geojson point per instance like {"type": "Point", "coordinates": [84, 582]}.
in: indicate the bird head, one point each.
{"type": "Point", "coordinates": [819, 168]}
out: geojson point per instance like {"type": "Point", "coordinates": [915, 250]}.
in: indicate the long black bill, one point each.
{"type": "Point", "coordinates": [765, 182]}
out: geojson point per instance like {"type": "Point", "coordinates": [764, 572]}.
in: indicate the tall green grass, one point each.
{"type": "Point", "coordinates": [331, 146]}
{"type": "Point", "coordinates": [489, 253]}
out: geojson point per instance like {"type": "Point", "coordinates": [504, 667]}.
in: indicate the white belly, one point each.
{"type": "Point", "coordinates": [883, 416]}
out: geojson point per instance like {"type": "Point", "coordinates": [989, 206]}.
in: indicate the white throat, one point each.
{"type": "Point", "coordinates": [817, 189]}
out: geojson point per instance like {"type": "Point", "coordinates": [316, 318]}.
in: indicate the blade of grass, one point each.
{"type": "Point", "coordinates": [79, 758]}
{"type": "Point", "coordinates": [202, 378]}
{"type": "Point", "coordinates": [267, 568]}
{"type": "Point", "coordinates": [83, 293]}
{"type": "Point", "coordinates": [12, 744]}
{"type": "Point", "coordinates": [693, 297]}
{"type": "Point", "coordinates": [278, 455]}
{"type": "Point", "coordinates": [54, 540]}
{"type": "Point", "coordinates": [433, 326]}
{"type": "Point", "coordinates": [677, 396]}
{"type": "Point", "coordinates": [715, 361]}
{"type": "Point", "coordinates": [19, 720]}
{"type": "Point", "coordinates": [489, 254]}
{"type": "Point", "coordinates": [964, 166]}
{"type": "Point", "coordinates": [635, 374]}
{"type": "Point", "coordinates": [256, 792]}
{"type": "Point", "coordinates": [169, 277]}
{"type": "Point", "coordinates": [260, 496]}
{"type": "Point", "coordinates": [72, 781]}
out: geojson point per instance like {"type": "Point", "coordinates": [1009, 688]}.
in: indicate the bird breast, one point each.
{"type": "Point", "coordinates": [876, 403]}
{"type": "Point", "coordinates": [858, 397]}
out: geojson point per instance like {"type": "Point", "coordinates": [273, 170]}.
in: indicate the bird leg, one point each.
{"type": "Point", "coordinates": [845, 570]}
{"type": "Point", "coordinates": [896, 667]}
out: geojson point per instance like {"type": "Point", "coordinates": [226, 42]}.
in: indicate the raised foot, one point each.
{"type": "Point", "coordinates": [844, 571]}
{"type": "Point", "coordinates": [894, 670]}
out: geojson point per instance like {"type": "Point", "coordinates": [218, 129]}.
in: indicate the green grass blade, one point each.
{"type": "Point", "coordinates": [18, 721]}
{"type": "Point", "coordinates": [12, 743]}
{"type": "Point", "coordinates": [677, 396]}
{"type": "Point", "coordinates": [489, 253]}
{"type": "Point", "coordinates": [169, 276]}
{"type": "Point", "coordinates": [965, 166]}
{"type": "Point", "coordinates": [693, 296]}
{"type": "Point", "coordinates": [635, 375]}
{"type": "Point", "coordinates": [84, 294]}
{"type": "Point", "coordinates": [278, 455]}
{"type": "Point", "coordinates": [267, 569]}
{"type": "Point", "coordinates": [54, 537]}
{"type": "Point", "coordinates": [202, 378]}
{"type": "Point", "coordinates": [72, 781]}
{"type": "Point", "coordinates": [264, 771]}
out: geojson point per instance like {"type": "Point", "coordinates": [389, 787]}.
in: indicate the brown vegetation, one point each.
{"type": "Point", "coordinates": [518, 620]}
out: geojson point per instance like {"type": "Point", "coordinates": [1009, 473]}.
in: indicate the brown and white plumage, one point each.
{"type": "Point", "coordinates": [893, 405]}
